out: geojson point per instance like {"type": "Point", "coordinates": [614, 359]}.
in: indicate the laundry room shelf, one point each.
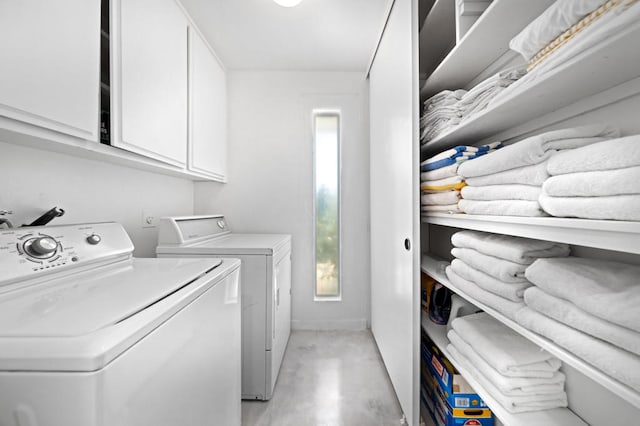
{"type": "Point", "coordinates": [604, 234]}
{"type": "Point", "coordinates": [437, 36]}
{"type": "Point", "coordinates": [557, 416]}
{"type": "Point", "coordinates": [484, 43]}
{"type": "Point", "coordinates": [571, 81]}
{"type": "Point", "coordinates": [435, 267]}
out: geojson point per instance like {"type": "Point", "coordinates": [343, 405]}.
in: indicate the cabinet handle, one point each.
{"type": "Point", "coordinates": [407, 244]}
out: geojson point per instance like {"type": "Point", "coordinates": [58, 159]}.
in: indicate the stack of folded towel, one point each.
{"type": "Point", "coordinates": [589, 307]}
{"type": "Point", "coordinates": [491, 267]}
{"type": "Point", "coordinates": [439, 181]}
{"type": "Point", "coordinates": [477, 99]}
{"type": "Point", "coordinates": [440, 113]}
{"type": "Point", "coordinates": [517, 373]}
{"type": "Point", "coordinates": [509, 182]}
{"type": "Point", "coordinates": [598, 181]}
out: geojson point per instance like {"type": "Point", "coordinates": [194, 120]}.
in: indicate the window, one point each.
{"type": "Point", "coordinates": [326, 172]}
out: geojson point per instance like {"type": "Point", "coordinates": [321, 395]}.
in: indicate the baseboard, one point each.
{"type": "Point", "coordinates": [353, 324]}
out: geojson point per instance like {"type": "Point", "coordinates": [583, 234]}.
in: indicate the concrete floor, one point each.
{"type": "Point", "coordinates": [328, 378]}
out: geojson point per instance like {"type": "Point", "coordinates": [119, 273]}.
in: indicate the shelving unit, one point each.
{"type": "Point", "coordinates": [604, 234]}
{"type": "Point", "coordinates": [571, 81]}
{"type": "Point", "coordinates": [485, 42]}
{"type": "Point", "coordinates": [438, 35]}
{"type": "Point", "coordinates": [558, 416]}
{"type": "Point", "coordinates": [435, 268]}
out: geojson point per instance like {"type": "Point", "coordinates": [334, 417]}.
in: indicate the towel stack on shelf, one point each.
{"type": "Point", "coordinates": [598, 181]}
{"type": "Point", "coordinates": [589, 307]}
{"type": "Point", "coordinates": [509, 182]}
{"type": "Point", "coordinates": [517, 373]}
{"type": "Point", "coordinates": [491, 267]}
{"type": "Point", "coordinates": [439, 181]}
{"type": "Point", "coordinates": [440, 112]}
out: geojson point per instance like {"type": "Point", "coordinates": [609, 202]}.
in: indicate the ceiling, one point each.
{"type": "Point", "coordinates": [318, 35]}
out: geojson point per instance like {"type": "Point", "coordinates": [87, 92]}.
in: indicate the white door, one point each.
{"type": "Point", "coordinates": [282, 315]}
{"type": "Point", "coordinates": [50, 56]}
{"type": "Point", "coordinates": [207, 110]}
{"type": "Point", "coordinates": [395, 248]}
{"type": "Point", "coordinates": [149, 83]}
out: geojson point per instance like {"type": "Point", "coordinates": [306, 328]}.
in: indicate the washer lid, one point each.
{"type": "Point", "coordinates": [83, 321]}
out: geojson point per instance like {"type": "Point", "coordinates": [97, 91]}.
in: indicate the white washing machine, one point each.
{"type": "Point", "coordinates": [90, 336]}
{"type": "Point", "coordinates": [266, 289]}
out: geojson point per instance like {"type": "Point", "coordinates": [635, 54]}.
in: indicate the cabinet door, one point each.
{"type": "Point", "coordinates": [50, 54]}
{"type": "Point", "coordinates": [207, 110]}
{"type": "Point", "coordinates": [149, 87]}
{"type": "Point", "coordinates": [394, 204]}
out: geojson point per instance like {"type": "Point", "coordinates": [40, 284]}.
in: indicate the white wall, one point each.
{"type": "Point", "coordinates": [33, 181]}
{"type": "Point", "coordinates": [270, 180]}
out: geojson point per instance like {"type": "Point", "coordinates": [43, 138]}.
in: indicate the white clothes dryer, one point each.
{"type": "Point", "coordinates": [266, 289]}
{"type": "Point", "coordinates": [90, 336]}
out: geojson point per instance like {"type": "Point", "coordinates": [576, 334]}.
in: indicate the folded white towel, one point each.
{"type": "Point", "coordinates": [501, 192]}
{"type": "Point", "coordinates": [535, 175]}
{"type": "Point", "coordinates": [569, 314]}
{"type": "Point", "coordinates": [607, 289]}
{"type": "Point", "coordinates": [595, 184]}
{"type": "Point", "coordinates": [615, 362]}
{"type": "Point", "coordinates": [516, 249]}
{"type": "Point", "coordinates": [504, 349]}
{"type": "Point", "coordinates": [441, 173]}
{"type": "Point", "coordinates": [504, 306]}
{"type": "Point", "coordinates": [511, 291]}
{"type": "Point", "coordinates": [513, 404]}
{"type": "Point", "coordinates": [536, 149]}
{"type": "Point", "coordinates": [448, 208]}
{"type": "Point", "coordinates": [440, 198]}
{"type": "Point", "coordinates": [442, 182]}
{"type": "Point", "coordinates": [607, 155]}
{"type": "Point", "coordinates": [504, 270]}
{"type": "Point", "coordinates": [512, 386]}
{"type": "Point", "coordinates": [523, 208]}
{"type": "Point", "coordinates": [614, 207]}
{"type": "Point", "coordinates": [558, 18]}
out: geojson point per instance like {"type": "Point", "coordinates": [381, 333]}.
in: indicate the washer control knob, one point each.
{"type": "Point", "coordinates": [43, 246]}
{"type": "Point", "coordinates": [94, 239]}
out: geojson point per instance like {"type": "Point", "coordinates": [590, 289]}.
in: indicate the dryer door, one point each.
{"type": "Point", "coordinates": [281, 313]}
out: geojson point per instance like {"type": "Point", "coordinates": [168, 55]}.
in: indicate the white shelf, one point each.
{"type": "Point", "coordinates": [557, 416]}
{"type": "Point", "coordinates": [585, 74]}
{"type": "Point", "coordinates": [485, 42]}
{"type": "Point", "coordinates": [438, 35]}
{"type": "Point", "coordinates": [435, 268]}
{"type": "Point", "coordinates": [603, 234]}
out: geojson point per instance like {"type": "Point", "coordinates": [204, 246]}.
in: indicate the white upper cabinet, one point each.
{"type": "Point", "coordinates": [207, 110]}
{"type": "Point", "coordinates": [50, 55]}
{"type": "Point", "coordinates": [149, 79]}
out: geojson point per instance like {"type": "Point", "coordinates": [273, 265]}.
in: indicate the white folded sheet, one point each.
{"type": "Point", "coordinates": [513, 404]}
{"type": "Point", "coordinates": [511, 291]}
{"type": "Point", "coordinates": [614, 207]}
{"type": "Point", "coordinates": [535, 174]}
{"type": "Point", "coordinates": [504, 306]}
{"type": "Point", "coordinates": [522, 208]}
{"type": "Point", "coordinates": [448, 208]}
{"type": "Point", "coordinates": [558, 18]}
{"type": "Point", "coordinates": [516, 249]}
{"type": "Point", "coordinates": [569, 314]}
{"type": "Point", "coordinates": [505, 350]}
{"type": "Point", "coordinates": [502, 269]}
{"type": "Point", "coordinates": [607, 155]}
{"type": "Point", "coordinates": [604, 288]}
{"type": "Point", "coordinates": [594, 184]}
{"type": "Point", "coordinates": [501, 192]}
{"type": "Point", "coordinates": [615, 362]}
{"type": "Point", "coordinates": [536, 149]}
{"type": "Point", "coordinates": [511, 386]}
{"type": "Point", "coordinates": [440, 198]}
{"type": "Point", "coordinates": [441, 173]}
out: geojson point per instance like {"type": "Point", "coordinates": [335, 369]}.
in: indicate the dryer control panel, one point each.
{"type": "Point", "coordinates": [30, 251]}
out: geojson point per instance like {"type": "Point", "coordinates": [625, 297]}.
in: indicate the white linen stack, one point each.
{"type": "Point", "coordinates": [491, 267]}
{"type": "Point", "coordinates": [589, 307]}
{"type": "Point", "coordinates": [598, 181]}
{"type": "Point", "coordinates": [517, 373]}
{"type": "Point", "coordinates": [439, 180]}
{"type": "Point", "coordinates": [509, 182]}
